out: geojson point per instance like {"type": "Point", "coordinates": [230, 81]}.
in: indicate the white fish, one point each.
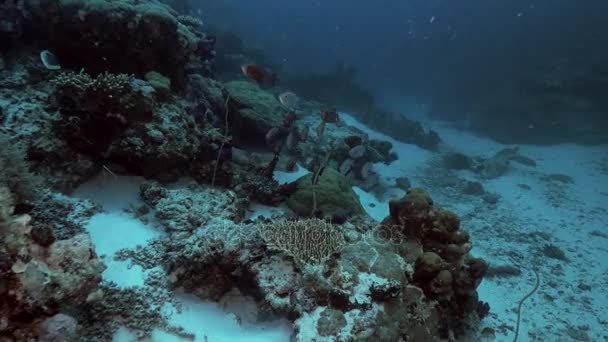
{"type": "Point", "coordinates": [289, 99]}
{"type": "Point", "coordinates": [49, 60]}
{"type": "Point", "coordinates": [366, 169]}
{"type": "Point", "coordinates": [346, 166]}
{"type": "Point", "coordinates": [432, 19]}
{"type": "Point", "coordinates": [357, 152]}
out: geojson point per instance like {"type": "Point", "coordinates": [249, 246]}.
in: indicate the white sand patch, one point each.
{"type": "Point", "coordinates": [288, 177]}
{"type": "Point", "coordinates": [115, 229]}
{"type": "Point", "coordinates": [211, 323]}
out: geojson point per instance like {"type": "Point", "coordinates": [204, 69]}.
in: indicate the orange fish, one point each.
{"type": "Point", "coordinates": [258, 74]}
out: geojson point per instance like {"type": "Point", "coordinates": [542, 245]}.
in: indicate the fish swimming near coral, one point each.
{"type": "Point", "coordinates": [276, 137]}
{"type": "Point", "coordinates": [366, 169]}
{"type": "Point", "coordinates": [258, 74]}
{"type": "Point", "coordinates": [330, 116]}
{"type": "Point", "coordinates": [49, 60]}
{"type": "Point", "coordinates": [357, 152]}
{"type": "Point", "coordinates": [289, 99]}
{"type": "Point", "coordinates": [346, 166]}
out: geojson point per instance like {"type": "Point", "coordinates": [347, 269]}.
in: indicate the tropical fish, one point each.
{"type": "Point", "coordinates": [288, 99]}
{"type": "Point", "coordinates": [346, 166]}
{"type": "Point", "coordinates": [49, 60]}
{"type": "Point", "coordinates": [330, 115]}
{"type": "Point", "coordinates": [276, 138]}
{"type": "Point", "coordinates": [291, 165]}
{"type": "Point", "coordinates": [258, 74]}
{"type": "Point", "coordinates": [357, 152]}
{"type": "Point", "coordinates": [365, 170]}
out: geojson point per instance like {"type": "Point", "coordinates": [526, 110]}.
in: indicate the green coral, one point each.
{"type": "Point", "coordinates": [333, 191]}
{"type": "Point", "coordinates": [159, 82]}
{"type": "Point", "coordinates": [256, 110]}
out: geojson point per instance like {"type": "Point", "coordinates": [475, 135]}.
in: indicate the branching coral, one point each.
{"type": "Point", "coordinates": [106, 87]}
{"type": "Point", "coordinates": [307, 241]}
{"type": "Point", "coordinates": [95, 110]}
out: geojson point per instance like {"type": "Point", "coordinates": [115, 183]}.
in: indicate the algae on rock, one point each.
{"type": "Point", "coordinates": [257, 111]}
{"type": "Point", "coordinates": [334, 195]}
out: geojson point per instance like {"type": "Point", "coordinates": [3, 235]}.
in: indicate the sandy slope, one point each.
{"type": "Point", "coordinates": [572, 302]}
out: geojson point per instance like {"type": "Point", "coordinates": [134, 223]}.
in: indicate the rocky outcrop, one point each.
{"type": "Point", "coordinates": [253, 111]}
{"type": "Point", "coordinates": [411, 276]}
{"type": "Point", "coordinates": [39, 275]}
{"type": "Point", "coordinates": [445, 271]}
{"type": "Point", "coordinates": [124, 36]}
{"type": "Point", "coordinates": [334, 195]}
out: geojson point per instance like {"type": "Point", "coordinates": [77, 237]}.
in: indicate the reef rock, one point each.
{"type": "Point", "coordinates": [446, 272]}
{"type": "Point", "coordinates": [334, 195]}
{"type": "Point", "coordinates": [124, 36]}
{"type": "Point", "coordinates": [37, 279]}
{"type": "Point", "coordinates": [253, 111]}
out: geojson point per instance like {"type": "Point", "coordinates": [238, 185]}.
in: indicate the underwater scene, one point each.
{"type": "Point", "coordinates": [303, 170]}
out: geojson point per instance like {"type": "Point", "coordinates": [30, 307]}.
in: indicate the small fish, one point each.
{"type": "Point", "coordinates": [366, 169]}
{"type": "Point", "coordinates": [289, 99]}
{"type": "Point", "coordinates": [357, 152]}
{"type": "Point", "coordinates": [258, 74]}
{"type": "Point", "coordinates": [330, 115]}
{"type": "Point", "coordinates": [346, 166]}
{"type": "Point", "coordinates": [290, 166]}
{"type": "Point", "coordinates": [274, 134]}
{"type": "Point", "coordinates": [49, 60]}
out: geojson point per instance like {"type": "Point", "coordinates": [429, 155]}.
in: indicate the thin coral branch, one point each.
{"type": "Point", "coordinates": [315, 180]}
{"type": "Point", "coordinates": [219, 152]}
{"type": "Point", "coordinates": [521, 302]}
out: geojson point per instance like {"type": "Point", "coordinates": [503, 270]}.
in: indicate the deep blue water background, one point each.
{"type": "Point", "coordinates": [471, 46]}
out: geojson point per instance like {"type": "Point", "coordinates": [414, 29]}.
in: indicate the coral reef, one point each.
{"type": "Point", "coordinates": [253, 111]}
{"type": "Point", "coordinates": [39, 280]}
{"type": "Point", "coordinates": [114, 119]}
{"type": "Point", "coordinates": [190, 208]}
{"type": "Point", "coordinates": [333, 193]}
{"type": "Point", "coordinates": [130, 94]}
{"type": "Point", "coordinates": [123, 36]}
{"type": "Point", "coordinates": [349, 282]}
